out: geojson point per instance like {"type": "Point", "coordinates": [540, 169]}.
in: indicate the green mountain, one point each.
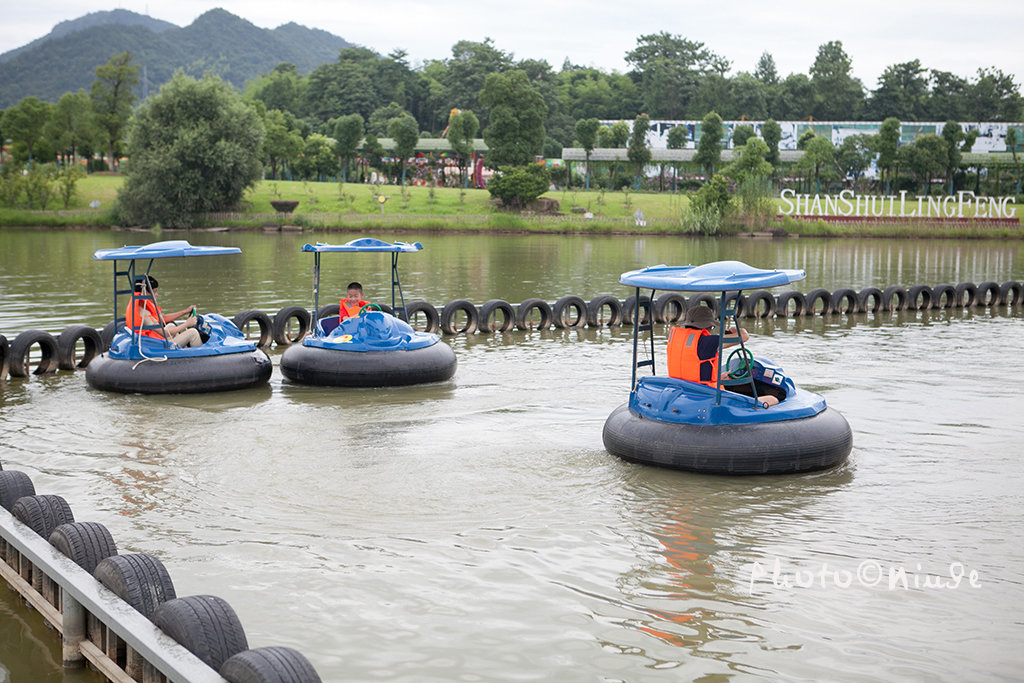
{"type": "Point", "coordinates": [217, 42]}
{"type": "Point", "coordinates": [117, 16]}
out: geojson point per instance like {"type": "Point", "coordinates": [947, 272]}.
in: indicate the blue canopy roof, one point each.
{"type": "Point", "coordinates": [161, 250]}
{"type": "Point", "coordinates": [719, 276]}
{"type": "Point", "coordinates": [364, 244]}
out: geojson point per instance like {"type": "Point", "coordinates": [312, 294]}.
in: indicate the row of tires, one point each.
{"type": "Point", "coordinates": [77, 345]}
{"type": "Point", "coordinates": [206, 625]}
{"type": "Point", "coordinates": [291, 323]}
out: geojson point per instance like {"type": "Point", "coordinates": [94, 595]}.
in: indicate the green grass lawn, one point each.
{"type": "Point", "coordinates": [355, 206]}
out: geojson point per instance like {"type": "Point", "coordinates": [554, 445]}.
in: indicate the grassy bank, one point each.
{"type": "Point", "coordinates": [355, 207]}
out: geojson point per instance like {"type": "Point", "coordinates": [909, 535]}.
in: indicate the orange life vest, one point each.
{"type": "Point", "coordinates": [149, 315]}
{"type": "Point", "coordinates": [351, 311]}
{"type": "Point", "coordinates": [683, 362]}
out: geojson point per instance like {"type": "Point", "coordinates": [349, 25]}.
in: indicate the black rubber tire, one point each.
{"type": "Point", "coordinates": [42, 513]}
{"type": "Point", "coordinates": [489, 309]}
{"type": "Point", "coordinates": [707, 299]}
{"type": "Point", "coordinates": [629, 306]}
{"type": "Point", "coordinates": [804, 445]}
{"type": "Point", "coordinates": [1010, 294]}
{"type": "Point", "coordinates": [561, 313]}
{"type": "Point", "coordinates": [107, 336]}
{"type": "Point", "coordinates": [755, 298]}
{"type": "Point", "coordinates": [226, 372]}
{"type": "Point", "coordinates": [262, 320]}
{"type": "Point", "coordinates": [988, 293]}
{"type": "Point", "coordinates": [670, 308]}
{"type": "Point", "coordinates": [786, 298]}
{"type": "Point", "coordinates": [333, 368]}
{"type": "Point", "coordinates": [922, 293]}
{"type": "Point", "coordinates": [813, 297]}
{"type": "Point", "coordinates": [448, 317]}
{"type": "Point", "coordinates": [524, 313]}
{"type": "Point", "coordinates": [433, 318]}
{"type": "Point", "coordinates": [13, 485]}
{"type": "Point", "coordinates": [966, 294]}
{"type": "Point", "coordinates": [844, 300]}
{"type": "Point", "coordinates": [896, 294]}
{"type": "Point", "coordinates": [280, 325]}
{"type": "Point", "coordinates": [86, 543]}
{"type": "Point", "coordinates": [140, 580]}
{"type": "Point", "coordinates": [5, 358]}
{"type": "Point", "coordinates": [205, 625]}
{"type": "Point", "coordinates": [68, 340]}
{"type": "Point", "coordinates": [274, 664]}
{"type": "Point", "coordinates": [21, 346]}
{"type": "Point", "coordinates": [740, 303]}
{"type": "Point", "coordinates": [595, 311]}
{"type": "Point", "coordinates": [328, 310]}
{"type": "Point", "coordinates": [870, 300]}
{"type": "Point", "coordinates": [384, 308]}
{"type": "Point", "coordinates": [943, 296]}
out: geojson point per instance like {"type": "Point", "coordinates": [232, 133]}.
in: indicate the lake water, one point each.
{"type": "Point", "coordinates": [476, 530]}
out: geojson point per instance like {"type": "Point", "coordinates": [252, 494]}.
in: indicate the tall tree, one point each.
{"type": "Point", "coordinates": [709, 145]}
{"type": "Point", "coordinates": [586, 135]}
{"type": "Point", "coordinates": [347, 132]}
{"type": "Point", "coordinates": [1013, 141]}
{"type": "Point", "coordinates": [25, 122]}
{"type": "Point", "coordinates": [113, 94]}
{"type": "Point", "coordinates": [280, 143]}
{"type": "Point", "coordinates": [838, 95]}
{"type": "Point", "coordinates": [72, 123]}
{"type": "Point", "coordinates": [614, 136]}
{"type": "Point", "coordinates": [771, 133]}
{"type": "Point", "coordinates": [766, 71]}
{"type": "Point", "coordinates": [195, 147]}
{"type": "Point", "coordinates": [467, 71]}
{"type": "Point", "coordinates": [638, 151]}
{"type": "Point", "coordinates": [953, 134]}
{"type": "Point", "coordinates": [749, 97]}
{"type": "Point", "coordinates": [854, 156]}
{"type": "Point", "coordinates": [517, 113]}
{"type": "Point", "coordinates": [668, 68]}
{"type": "Point", "coordinates": [406, 133]}
{"type": "Point", "coordinates": [819, 156]}
{"type": "Point", "coordinates": [280, 89]}
{"type": "Point", "coordinates": [742, 133]}
{"type": "Point", "coordinates": [994, 97]}
{"type": "Point", "coordinates": [947, 99]}
{"type": "Point", "coordinates": [886, 147]}
{"type": "Point", "coordinates": [925, 158]}
{"type": "Point", "coordinates": [902, 92]}
{"type": "Point", "coordinates": [463, 127]}
{"type": "Point", "coordinates": [793, 99]}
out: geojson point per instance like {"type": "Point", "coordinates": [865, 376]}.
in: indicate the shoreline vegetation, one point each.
{"type": "Point", "coordinates": [353, 207]}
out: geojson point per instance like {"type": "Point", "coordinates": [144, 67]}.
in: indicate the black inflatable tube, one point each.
{"type": "Point", "coordinates": [228, 372]}
{"type": "Point", "coordinates": [332, 368]}
{"type": "Point", "coordinates": [787, 447]}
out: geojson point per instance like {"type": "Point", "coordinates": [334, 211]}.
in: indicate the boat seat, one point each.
{"type": "Point", "coordinates": [328, 324]}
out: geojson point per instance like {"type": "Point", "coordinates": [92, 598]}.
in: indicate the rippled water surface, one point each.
{"type": "Point", "coordinates": [476, 530]}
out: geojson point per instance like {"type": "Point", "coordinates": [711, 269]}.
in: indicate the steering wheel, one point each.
{"type": "Point", "coordinates": [369, 308]}
{"type": "Point", "coordinates": [744, 360]}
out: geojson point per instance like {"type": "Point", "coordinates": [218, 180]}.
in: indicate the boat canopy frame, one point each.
{"type": "Point", "coordinates": [364, 245]}
{"type": "Point", "coordinates": [727, 277]}
{"type": "Point", "coordinates": [152, 251]}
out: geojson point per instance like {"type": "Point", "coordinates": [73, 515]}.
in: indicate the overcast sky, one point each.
{"type": "Point", "coordinates": [949, 36]}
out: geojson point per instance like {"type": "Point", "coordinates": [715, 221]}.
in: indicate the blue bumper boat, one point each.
{"type": "Point", "coordinates": [722, 427]}
{"type": "Point", "coordinates": [374, 349]}
{"type": "Point", "coordinates": [146, 364]}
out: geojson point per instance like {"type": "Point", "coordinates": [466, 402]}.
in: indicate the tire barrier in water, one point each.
{"type": "Point", "coordinates": [569, 312]}
{"type": "Point", "coordinates": [798, 300]}
{"type": "Point", "coordinates": [524, 315]}
{"type": "Point", "coordinates": [205, 625]}
{"type": "Point", "coordinates": [36, 352]}
{"type": "Point", "coordinates": [493, 309]}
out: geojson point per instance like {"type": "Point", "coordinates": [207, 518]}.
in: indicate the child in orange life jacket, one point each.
{"type": "Point", "coordinates": [183, 334]}
{"type": "Point", "coordinates": [351, 306]}
{"type": "Point", "coordinates": [693, 351]}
